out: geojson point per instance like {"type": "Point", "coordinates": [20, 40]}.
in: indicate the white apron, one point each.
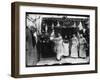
{"type": "Point", "coordinates": [82, 49]}
{"type": "Point", "coordinates": [74, 47]}
{"type": "Point", "coordinates": [66, 49]}
{"type": "Point", "coordinates": [58, 48]}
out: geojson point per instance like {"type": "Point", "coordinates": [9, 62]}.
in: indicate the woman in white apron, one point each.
{"type": "Point", "coordinates": [82, 48]}
{"type": "Point", "coordinates": [58, 44]}
{"type": "Point", "coordinates": [66, 47]}
{"type": "Point", "coordinates": [74, 47]}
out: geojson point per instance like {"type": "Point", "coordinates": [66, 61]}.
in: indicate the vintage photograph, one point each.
{"type": "Point", "coordinates": [53, 39]}
{"type": "Point", "coordinates": [57, 39]}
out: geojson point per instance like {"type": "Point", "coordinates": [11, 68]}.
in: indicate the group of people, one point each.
{"type": "Point", "coordinates": [74, 47]}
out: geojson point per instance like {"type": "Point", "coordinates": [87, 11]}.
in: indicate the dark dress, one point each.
{"type": "Point", "coordinates": [31, 51]}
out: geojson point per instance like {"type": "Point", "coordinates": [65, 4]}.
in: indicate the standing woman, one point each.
{"type": "Point", "coordinates": [34, 42]}
{"type": "Point", "coordinates": [66, 46]}
{"type": "Point", "coordinates": [82, 46]}
{"type": "Point", "coordinates": [58, 44]}
{"type": "Point", "coordinates": [74, 46]}
{"type": "Point", "coordinates": [31, 51]}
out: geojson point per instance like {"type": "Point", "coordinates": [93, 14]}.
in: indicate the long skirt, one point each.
{"type": "Point", "coordinates": [31, 56]}
{"type": "Point", "coordinates": [66, 49]}
{"type": "Point", "coordinates": [82, 51]}
{"type": "Point", "coordinates": [58, 48]}
{"type": "Point", "coordinates": [74, 51]}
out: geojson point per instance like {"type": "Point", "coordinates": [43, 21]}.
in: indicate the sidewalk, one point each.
{"type": "Point", "coordinates": [67, 60]}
